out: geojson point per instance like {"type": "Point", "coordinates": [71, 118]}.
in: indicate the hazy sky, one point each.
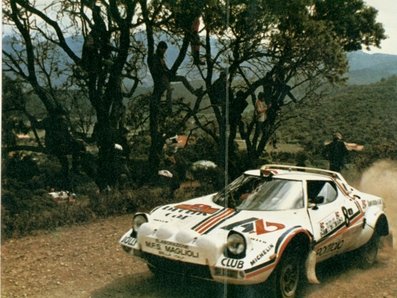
{"type": "Point", "coordinates": [387, 15]}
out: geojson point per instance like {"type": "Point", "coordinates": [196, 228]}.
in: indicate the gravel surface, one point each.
{"type": "Point", "coordinates": [87, 261]}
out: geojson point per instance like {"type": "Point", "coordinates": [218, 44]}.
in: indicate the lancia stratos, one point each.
{"type": "Point", "coordinates": [272, 224]}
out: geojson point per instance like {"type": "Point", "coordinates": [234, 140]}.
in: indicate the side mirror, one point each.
{"type": "Point", "coordinates": [318, 200]}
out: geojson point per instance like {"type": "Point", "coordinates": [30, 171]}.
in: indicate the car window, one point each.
{"type": "Point", "coordinates": [326, 189]}
{"type": "Point", "coordinates": [262, 193]}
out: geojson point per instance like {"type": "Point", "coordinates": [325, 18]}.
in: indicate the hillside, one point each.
{"type": "Point", "coordinates": [367, 68]}
{"type": "Point", "coordinates": [364, 114]}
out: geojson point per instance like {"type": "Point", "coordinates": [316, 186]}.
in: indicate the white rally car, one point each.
{"type": "Point", "coordinates": [275, 223]}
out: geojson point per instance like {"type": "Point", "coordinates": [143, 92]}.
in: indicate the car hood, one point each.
{"type": "Point", "coordinates": [202, 218]}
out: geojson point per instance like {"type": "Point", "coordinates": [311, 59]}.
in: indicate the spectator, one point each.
{"type": "Point", "coordinates": [162, 76]}
{"type": "Point", "coordinates": [195, 42]}
{"type": "Point", "coordinates": [237, 107]}
{"type": "Point", "coordinates": [218, 89]}
{"type": "Point", "coordinates": [261, 108]}
{"type": "Point", "coordinates": [96, 50]}
{"type": "Point", "coordinates": [59, 140]}
{"type": "Point", "coordinates": [336, 153]}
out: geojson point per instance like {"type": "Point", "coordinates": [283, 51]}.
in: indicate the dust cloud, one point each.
{"type": "Point", "coordinates": [381, 180]}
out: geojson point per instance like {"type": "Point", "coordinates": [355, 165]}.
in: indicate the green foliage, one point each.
{"type": "Point", "coordinates": [280, 43]}
{"type": "Point", "coordinates": [364, 114]}
{"type": "Point", "coordinates": [27, 207]}
{"type": "Point", "coordinates": [350, 20]}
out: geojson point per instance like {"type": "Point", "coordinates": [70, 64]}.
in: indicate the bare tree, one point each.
{"type": "Point", "coordinates": [110, 57]}
{"type": "Point", "coordinates": [270, 46]}
{"type": "Point", "coordinates": [288, 50]}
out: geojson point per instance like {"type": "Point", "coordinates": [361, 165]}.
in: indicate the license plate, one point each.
{"type": "Point", "coordinates": [128, 241]}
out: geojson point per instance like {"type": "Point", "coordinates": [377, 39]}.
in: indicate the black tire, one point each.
{"type": "Point", "coordinates": [368, 253]}
{"type": "Point", "coordinates": [287, 275]}
{"type": "Point", "coordinates": [156, 272]}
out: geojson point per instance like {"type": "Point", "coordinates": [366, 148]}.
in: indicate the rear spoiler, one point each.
{"type": "Point", "coordinates": [265, 169]}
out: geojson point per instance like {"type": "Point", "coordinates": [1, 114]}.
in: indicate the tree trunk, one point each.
{"type": "Point", "coordinates": [156, 145]}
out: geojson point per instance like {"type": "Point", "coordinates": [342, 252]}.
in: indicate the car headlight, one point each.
{"type": "Point", "coordinates": [138, 220]}
{"type": "Point", "coordinates": [236, 245]}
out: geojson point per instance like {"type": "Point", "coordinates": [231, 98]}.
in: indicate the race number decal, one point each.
{"type": "Point", "coordinates": [346, 215]}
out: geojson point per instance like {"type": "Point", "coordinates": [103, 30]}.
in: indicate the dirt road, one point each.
{"type": "Point", "coordinates": [86, 261]}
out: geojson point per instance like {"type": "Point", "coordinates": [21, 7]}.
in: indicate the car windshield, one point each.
{"type": "Point", "coordinates": [261, 193]}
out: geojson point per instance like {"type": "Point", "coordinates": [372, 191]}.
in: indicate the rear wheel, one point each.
{"type": "Point", "coordinates": [368, 253]}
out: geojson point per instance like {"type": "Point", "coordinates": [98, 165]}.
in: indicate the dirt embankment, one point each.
{"type": "Point", "coordinates": [86, 261]}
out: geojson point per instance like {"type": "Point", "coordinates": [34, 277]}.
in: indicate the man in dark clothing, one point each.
{"type": "Point", "coordinates": [161, 73]}
{"type": "Point", "coordinates": [59, 141]}
{"type": "Point", "coordinates": [96, 50]}
{"type": "Point", "coordinates": [336, 152]}
{"type": "Point", "coordinates": [237, 107]}
{"type": "Point", "coordinates": [218, 89]}
{"type": "Point", "coordinates": [162, 76]}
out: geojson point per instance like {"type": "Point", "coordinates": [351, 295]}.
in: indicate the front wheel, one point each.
{"type": "Point", "coordinates": [287, 276]}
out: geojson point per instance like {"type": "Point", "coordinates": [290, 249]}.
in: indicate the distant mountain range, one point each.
{"type": "Point", "coordinates": [364, 68]}
{"type": "Point", "coordinates": [367, 68]}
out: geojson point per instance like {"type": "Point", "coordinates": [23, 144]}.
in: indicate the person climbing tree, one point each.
{"type": "Point", "coordinates": [195, 42]}
{"type": "Point", "coordinates": [162, 76]}
{"type": "Point", "coordinates": [237, 107]}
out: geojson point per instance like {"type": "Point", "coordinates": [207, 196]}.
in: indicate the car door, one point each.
{"type": "Point", "coordinates": [332, 214]}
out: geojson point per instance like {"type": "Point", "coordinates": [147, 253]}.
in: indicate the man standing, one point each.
{"type": "Point", "coordinates": [336, 153]}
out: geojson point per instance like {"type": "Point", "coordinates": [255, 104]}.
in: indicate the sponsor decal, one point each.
{"type": "Point", "coordinates": [332, 222]}
{"type": "Point", "coordinates": [374, 202]}
{"type": "Point", "coordinates": [262, 227]}
{"type": "Point", "coordinates": [232, 263]}
{"type": "Point", "coordinates": [261, 255]}
{"type": "Point", "coordinates": [167, 248]}
{"type": "Point", "coordinates": [184, 211]}
{"type": "Point", "coordinates": [200, 208]}
{"type": "Point", "coordinates": [281, 244]}
{"type": "Point", "coordinates": [211, 222]}
{"type": "Point", "coordinates": [349, 220]}
{"type": "Point", "coordinates": [255, 225]}
{"type": "Point", "coordinates": [331, 247]}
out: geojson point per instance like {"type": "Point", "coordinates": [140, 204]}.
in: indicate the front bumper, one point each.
{"type": "Point", "coordinates": [197, 261]}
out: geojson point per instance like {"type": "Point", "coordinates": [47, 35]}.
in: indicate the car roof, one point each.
{"type": "Point", "coordinates": [293, 175]}
{"type": "Point", "coordinates": [295, 172]}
